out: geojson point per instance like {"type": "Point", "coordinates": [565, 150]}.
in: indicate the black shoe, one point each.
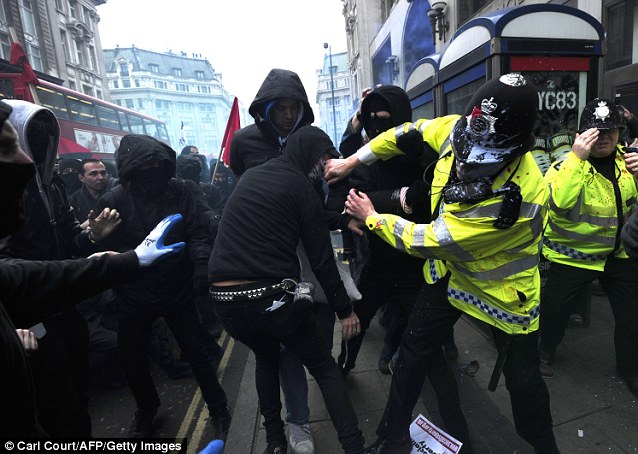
{"type": "Point", "coordinates": [142, 425]}
{"type": "Point", "coordinates": [177, 369]}
{"type": "Point", "coordinates": [546, 357]}
{"type": "Point", "coordinates": [631, 382]}
{"type": "Point", "coordinates": [220, 420]}
{"type": "Point", "coordinates": [384, 446]}
{"type": "Point", "coordinates": [451, 351]}
{"type": "Point", "coordinates": [384, 365]}
{"type": "Point", "coordinates": [277, 448]}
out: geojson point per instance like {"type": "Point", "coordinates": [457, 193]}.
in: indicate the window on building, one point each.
{"type": "Point", "coordinates": [140, 103]}
{"type": "Point", "coordinates": [5, 41]}
{"type": "Point", "coordinates": [73, 9]}
{"type": "Point", "coordinates": [28, 17]}
{"type": "Point", "coordinates": [116, 84]}
{"type": "Point", "coordinates": [467, 8]}
{"type": "Point", "coordinates": [87, 17]}
{"type": "Point", "coordinates": [65, 45]}
{"type": "Point", "coordinates": [203, 89]}
{"type": "Point", "coordinates": [154, 68]}
{"type": "Point", "coordinates": [79, 52]}
{"type": "Point", "coordinates": [177, 72]}
{"type": "Point", "coordinates": [98, 93]}
{"type": "Point", "coordinates": [160, 84]}
{"type": "Point", "coordinates": [87, 89]}
{"type": "Point", "coordinates": [92, 57]}
{"type": "Point", "coordinates": [126, 83]}
{"type": "Point", "coordinates": [622, 32]}
{"type": "Point", "coordinates": [199, 75]}
{"type": "Point", "coordinates": [72, 85]}
{"type": "Point", "coordinates": [118, 102]}
{"type": "Point", "coordinates": [137, 83]}
{"type": "Point", "coordinates": [181, 87]}
{"type": "Point", "coordinates": [129, 103]}
{"type": "Point", "coordinates": [124, 70]}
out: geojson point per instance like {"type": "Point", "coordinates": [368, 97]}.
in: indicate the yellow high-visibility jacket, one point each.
{"type": "Point", "coordinates": [583, 213]}
{"type": "Point", "coordinates": [493, 272]}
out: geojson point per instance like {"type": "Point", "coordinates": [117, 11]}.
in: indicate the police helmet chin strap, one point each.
{"type": "Point", "coordinates": [478, 190]}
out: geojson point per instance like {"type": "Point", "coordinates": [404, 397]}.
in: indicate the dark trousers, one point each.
{"type": "Point", "coordinates": [619, 280]}
{"type": "Point", "coordinates": [430, 323]}
{"type": "Point", "coordinates": [61, 375]}
{"type": "Point", "coordinates": [134, 331]}
{"type": "Point", "coordinates": [295, 326]}
{"type": "Point", "coordinates": [377, 288]}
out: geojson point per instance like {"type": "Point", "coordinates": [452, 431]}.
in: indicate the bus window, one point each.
{"type": "Point", "coordinates": [108, 117]}
{"type": "Point", "coordinates": [53, 100]}
{"type": "Point", "coordinates": [163, 133]}
{"type": "Point", "coordinates": [423, 111]}
{"type": "Point", "coordinates": [82, 111]}
{"type": "Point", "coordinates": [6, 89]}
{"type": "Point", "coordinates": [124, 121]}
{"type": "Point", "coordinates": [137, 124]}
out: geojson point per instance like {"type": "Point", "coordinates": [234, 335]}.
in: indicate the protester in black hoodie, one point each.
{"type": "Point", "coordinates": [389, 276]}
{"type": "Point", "coordinates": [272, 209]}
{"type": "Point", "coordinates": [279, 108]}
{"type": "Point", "coordinates": [32, 290]}
{"type": "Point", "coordinates": [147, 192]}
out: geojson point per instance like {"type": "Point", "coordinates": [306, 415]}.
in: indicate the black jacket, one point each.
{"type": "Point", "coordinates": [83, 202]}
{"type": "Point", "coordinates": [273, 207]}
{"type": "Point", "coordinates": [257, 143]}
{"type": "Point", "coordinates": [170, 282]}
{"type": "Point", "coordinates": [31, 291]}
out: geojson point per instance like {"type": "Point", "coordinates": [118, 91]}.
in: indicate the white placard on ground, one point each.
{"type": "Point", "coordinates": [429, 439]}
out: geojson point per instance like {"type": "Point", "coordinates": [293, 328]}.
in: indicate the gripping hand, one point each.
{"type": "Point", "coordinates": [152, 248]}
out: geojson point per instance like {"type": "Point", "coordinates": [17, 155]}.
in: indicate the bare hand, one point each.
{"type": "Point", "coordinates": [102, 225]}
{"type": "Point", "coordinates": [631, 161]}
{"type": "Point", "coordinates": [584, 142]}
{"type": "Point", "coordinates": [337, 169]}
{"type": "Point", "coordinates": [359, 205]}
{"type": "Point", "coordinates": [350, 326]}
{"type": "Point", "coordinates": [28, 339]}
{"type": "Point", "coordinates": [355, 226]}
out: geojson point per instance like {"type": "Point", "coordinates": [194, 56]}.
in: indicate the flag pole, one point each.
{"type": "Point", "coordinates": [231, 126]}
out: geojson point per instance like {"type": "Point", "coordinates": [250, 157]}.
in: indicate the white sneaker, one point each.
{"type": "Point", "coordinates": [300, 439]}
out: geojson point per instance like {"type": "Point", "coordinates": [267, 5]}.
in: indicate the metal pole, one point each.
{"type": "Point", "coordinates": [334, 116]}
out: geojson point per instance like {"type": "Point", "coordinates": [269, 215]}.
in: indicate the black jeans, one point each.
{"type": "Point", "coordinates": [377, 288]}
{"type": "Point", "coordinates": [295, 326]}
{"type": "Point", "coordinates": [431, 321]}
{"type": "Point", "coordinates": [619, 280]}
{"type": "Point", "coordinates": [133, 336]}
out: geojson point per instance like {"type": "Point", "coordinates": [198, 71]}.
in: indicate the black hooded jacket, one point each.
{"type": "Point", "coordinates": [273, 207]}
{"type": "Point", "coordinates": [381, 180]}
{"type": "Point", "coordinates": [255, 144]}
{"type": "Point", "coordinates": [170, 281]}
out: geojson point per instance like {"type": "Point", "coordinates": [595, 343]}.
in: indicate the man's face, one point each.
{"type": "Point", "coordinates": [606, 143]}
{"type": "Point", "coordinates": [284, 115]}
{"type": "Point", "coordinates": [95, 176]}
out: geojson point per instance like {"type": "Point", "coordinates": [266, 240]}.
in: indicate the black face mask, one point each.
{"type": "Point", "coordinates": [13, 180]}
{"type": "Point", "coordinates": [379, 125]}
{"type": "Point", "coordinates": [150, 182]}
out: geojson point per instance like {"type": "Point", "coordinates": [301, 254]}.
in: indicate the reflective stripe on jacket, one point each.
{"type": "Point", "coordinates": [493, 273]}
{"type": "Point", "coordinates": [583, 214]}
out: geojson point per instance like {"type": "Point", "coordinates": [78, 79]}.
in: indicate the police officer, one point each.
{"type": "Point", "coordinates": [592, 194]}
{"type": "Point", "coordinates": [488, 199]}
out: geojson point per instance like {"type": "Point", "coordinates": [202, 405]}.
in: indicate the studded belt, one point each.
{"type": "Point", "coordinates": [252, 294]}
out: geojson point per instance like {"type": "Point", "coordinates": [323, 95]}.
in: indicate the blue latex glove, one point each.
{"type": "Point", "coordinates": [152, 248]}
{"type": "Point", "coordinates": [214, 447]}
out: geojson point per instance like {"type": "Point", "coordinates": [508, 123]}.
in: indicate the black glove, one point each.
{"type": "Point", "coordinates": [411, 143]}
{"type": "Point", "coordinates": [200, 281]}
{"type": "Point", "coordinates": [417, 197]}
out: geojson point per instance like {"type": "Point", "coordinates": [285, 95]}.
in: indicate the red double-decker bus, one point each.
{"type": "Point", "coordinates": [89, 127]}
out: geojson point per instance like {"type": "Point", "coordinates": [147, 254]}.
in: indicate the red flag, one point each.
{"type": "Point", "coordinates": [231, 127]}
{"type": "Point", "coordinates": [19, 58]}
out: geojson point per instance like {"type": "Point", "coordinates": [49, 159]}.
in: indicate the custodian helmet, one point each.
{"type": "Point", "coordinates": [497, 123]}
{"type": "Point", "coordinates": [601, 113]}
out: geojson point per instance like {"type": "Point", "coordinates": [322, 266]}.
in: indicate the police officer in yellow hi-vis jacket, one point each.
{"type": "Point", "coordinates": [592, 194]}
{"type": "Point", "coordinates": [488, 201]}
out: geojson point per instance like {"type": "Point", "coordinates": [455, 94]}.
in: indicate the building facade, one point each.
{"type": "Point", "coordinates": [387, 39]}
{"type": "Point", "coordinates": [174, 87]}
{"type": "Point", "coordinates": [334, 95]}
{"type": "Point", "coordinates": [61, 39]}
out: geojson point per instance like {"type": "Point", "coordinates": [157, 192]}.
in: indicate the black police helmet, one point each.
{"type": "Point", "coordinates": [601, 113]}
{"type": "Point", "coordinates": [497, 123]}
